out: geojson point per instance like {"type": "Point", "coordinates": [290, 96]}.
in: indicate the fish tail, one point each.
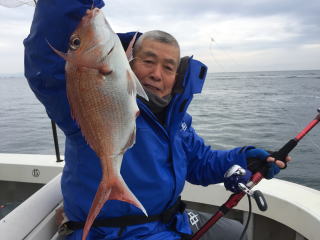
{"type": "Point", "coordinates": [121, 192]}
{"type": "Point", "coordinates": [100, 198]}
{"type": "Point", "coordinates": [116, 189]}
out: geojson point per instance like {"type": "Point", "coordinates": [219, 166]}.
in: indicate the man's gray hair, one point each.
{"type": "Point", "coordinates": [156, 35]}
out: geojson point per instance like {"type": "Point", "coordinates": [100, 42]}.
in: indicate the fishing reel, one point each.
{"type": "Point", "coordinates": [236, 179]}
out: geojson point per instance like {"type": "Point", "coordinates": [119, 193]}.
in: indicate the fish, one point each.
{"type": "Point", "coordinates": [101, 90]}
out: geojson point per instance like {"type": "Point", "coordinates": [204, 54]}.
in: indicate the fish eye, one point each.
{"type": "Point", "coordinates": [74, 42]}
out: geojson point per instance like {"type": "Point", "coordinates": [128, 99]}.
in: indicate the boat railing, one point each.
{"type": "Point", "coordinates": [34, 219]}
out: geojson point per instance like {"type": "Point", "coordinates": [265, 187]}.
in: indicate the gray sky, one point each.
{"type": "Point", "coordinates": [227, 35]}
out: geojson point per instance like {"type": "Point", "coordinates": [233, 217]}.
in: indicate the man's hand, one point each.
{"type": "Point", "coordinates": [257, 157]}
{"type": "Point", "coordinates": [278, 162]}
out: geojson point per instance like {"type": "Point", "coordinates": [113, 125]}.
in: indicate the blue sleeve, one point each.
{"type": "Point", "coordinates": [205, 165]}
{"type": "Point", "coordinates": [54, 21]}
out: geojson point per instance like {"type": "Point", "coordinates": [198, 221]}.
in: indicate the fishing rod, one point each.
{"type": "Point", "coordinates": [235, 198]}
{"type": "Point", "coordinates": [55, 140]}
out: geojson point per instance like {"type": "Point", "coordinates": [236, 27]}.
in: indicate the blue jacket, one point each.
{"type": "Point", "coordinates": [155, 168]}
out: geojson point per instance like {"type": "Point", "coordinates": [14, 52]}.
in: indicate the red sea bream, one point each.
{"type": "Point", "coordinates": [101, 89]}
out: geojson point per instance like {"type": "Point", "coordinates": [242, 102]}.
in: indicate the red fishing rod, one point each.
{"type": "Point", "coordinates": [235, 198]}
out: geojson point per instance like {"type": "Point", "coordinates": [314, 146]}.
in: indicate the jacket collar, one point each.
{"type": "Point", "coordinates": [190, 79]}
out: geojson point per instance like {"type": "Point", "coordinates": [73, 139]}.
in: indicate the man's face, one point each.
{"type": "Point", "coordinates": [155, 65]}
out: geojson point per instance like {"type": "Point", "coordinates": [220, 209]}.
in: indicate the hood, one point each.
{"type": "Point", "coordinates": [190, 79]}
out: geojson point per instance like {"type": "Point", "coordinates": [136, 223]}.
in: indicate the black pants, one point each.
{"type": "Point", "coordinates": [224, 229]}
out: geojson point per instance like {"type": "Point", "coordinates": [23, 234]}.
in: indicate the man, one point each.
{"type": "Point", "coordinates": [167, 151]}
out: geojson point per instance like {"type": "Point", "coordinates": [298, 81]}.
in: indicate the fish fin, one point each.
{"type": "Point", "coordinates": [73, 115]}
{"type": "Point", "coordinates": [131, 84]}
{"type": "Point", "coordinates": [112, 188]}
{"type": "Point", "coordinates": [130, 47]}
{"type": "Point", "coordinates": [131, 141]}
{"type": "Point", "coordinates": [140, 90]}
{"type": "Point", "coordinates": [100, 198]}
{"type": "Point", "coordinates": [137, 113]}
{"type": "Point", "coordinates": [61, 54]}
{"type": "Point", "coordinates": [121, 192]}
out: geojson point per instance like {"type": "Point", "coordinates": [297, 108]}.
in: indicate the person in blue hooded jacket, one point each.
{"type": "Point", "coordinates": [167, 152]}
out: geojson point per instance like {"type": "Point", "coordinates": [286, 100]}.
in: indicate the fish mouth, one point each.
{"type": "Point", "coordinates": [90, 15]}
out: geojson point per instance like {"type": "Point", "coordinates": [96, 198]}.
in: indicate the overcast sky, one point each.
{"type": "Point", "coordinates": [227, 35]}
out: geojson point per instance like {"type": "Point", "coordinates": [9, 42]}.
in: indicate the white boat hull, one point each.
{"type": "Point", "coordinates": [293, 213]}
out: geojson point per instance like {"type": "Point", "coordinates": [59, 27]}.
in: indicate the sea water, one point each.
{"type": "Point", "coordinates": [263, 109]}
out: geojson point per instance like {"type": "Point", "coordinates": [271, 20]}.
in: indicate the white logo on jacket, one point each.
{"type": "Point", "coordinates": [183, 126]}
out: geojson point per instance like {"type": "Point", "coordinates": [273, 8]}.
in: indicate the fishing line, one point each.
{"type": "Point", "coordinates": [214, 59]}
{"type": "Point", "coordinates": [213, 41]}
{"type": "Point", "coordinates": [317, 147]}
{"type": "Point", "coordinates": [314, 143]}
{"type": "Point", "coordinates": [248, 219]}
{"type": "Point", "coordinates": [234, 62]}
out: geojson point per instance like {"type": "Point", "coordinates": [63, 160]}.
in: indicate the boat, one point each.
{"type": "Point", "coordinates": [30, 186]}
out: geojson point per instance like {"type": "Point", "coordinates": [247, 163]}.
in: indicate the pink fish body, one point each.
{"type": "Point", "coordinates": [101, 89]}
